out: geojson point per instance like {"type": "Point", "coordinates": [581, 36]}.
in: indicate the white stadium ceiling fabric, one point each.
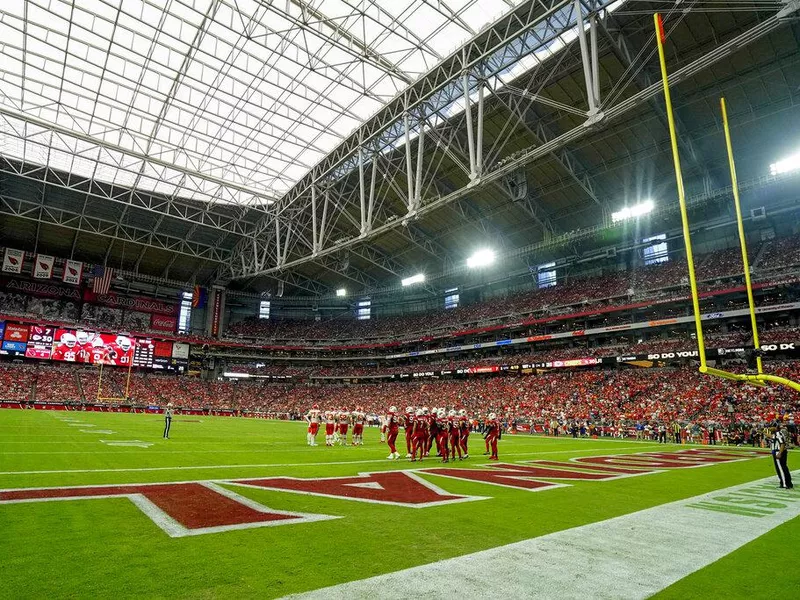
{"type": "Point", "coordinates": [253, 92]}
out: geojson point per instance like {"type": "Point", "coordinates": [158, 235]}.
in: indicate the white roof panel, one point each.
{"type": "Point", "coordinates": [253, 92]}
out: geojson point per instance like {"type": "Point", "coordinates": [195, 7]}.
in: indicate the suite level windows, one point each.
{"type": "Point", "coordinates": [263, 309]}
{"type": "Point", "coordinates": [364, 310]}
{"type": "Point", "coordinates": [185, 315]}
{"type": "Point", "coordinates": [656, 252]}
{"type": "Point", "coordinates": [546, 275]}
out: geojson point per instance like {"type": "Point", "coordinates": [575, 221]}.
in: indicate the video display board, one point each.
{"type": "Point", "coordinates": [71, 345]}
{"type": "Point", "coordinates": [40, 342]}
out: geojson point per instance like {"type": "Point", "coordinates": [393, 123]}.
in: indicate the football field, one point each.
{"type": "Point", "coordinates": [99, 505]}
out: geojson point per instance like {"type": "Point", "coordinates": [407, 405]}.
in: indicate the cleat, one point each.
{"type": "Point", "coordinates": [390, 457]}
{"type": "Point", "coordinates": [408, 455]}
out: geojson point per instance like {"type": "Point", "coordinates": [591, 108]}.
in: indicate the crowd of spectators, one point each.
{"type": "Point", "coordinates": [618, 398]}
{"type": "Point", "coordinates": [715, 270]}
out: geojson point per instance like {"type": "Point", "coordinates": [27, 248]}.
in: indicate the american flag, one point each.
{"type": "Point", "coordinates": [101, 280]}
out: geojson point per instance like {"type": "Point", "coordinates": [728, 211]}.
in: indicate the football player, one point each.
{"type": "Point", "coordinates": [419, 436]}
{"type": "Point", "coordinates": [67, 348]}
{"type": "Point", "coordinates": [313, 418]}
{"type": "Point", "coordinates": [392, 428]}
{"type": "Point", "coordinates": [330, 427]}
{"type": "Point", "coordinates": [408, 424]}
{"type": "Point", "coordinates": [493, 434]}
{"type": "Point", "coordinates": [359, 418]}
{"type": "Point", "coordinates": [442, 434]}
{"type": "Point", "coordinates": [344, 422]}
{"type": "Point", "coordinates": [464, 425]}
{"type": "Point", "coordinates": [455, 435]}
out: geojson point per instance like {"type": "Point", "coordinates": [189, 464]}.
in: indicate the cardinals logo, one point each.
{"type": "Point", "coordinates": [44, 266]}
{"type": "Point", "coordinates": [13, 260]}
{"type": "Point", "coordinates": [73, 272]}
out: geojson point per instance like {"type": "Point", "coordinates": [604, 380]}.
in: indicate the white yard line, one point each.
{"type": "Point", "coordinates": [631, 557]}
{"type": "Point", "coordinates": [429, 463]}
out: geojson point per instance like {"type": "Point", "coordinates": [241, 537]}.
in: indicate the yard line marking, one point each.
{"type": "Point", "coordinates": [281, 465]}
{"type": "Point", "coordinates": [632, 556]}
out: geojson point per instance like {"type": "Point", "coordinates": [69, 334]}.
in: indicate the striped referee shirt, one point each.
{"type": "Point", "coordinates": [778, 440]}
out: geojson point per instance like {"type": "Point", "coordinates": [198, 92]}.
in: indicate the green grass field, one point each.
{"type": "Point", "coordinates": [110, 548]}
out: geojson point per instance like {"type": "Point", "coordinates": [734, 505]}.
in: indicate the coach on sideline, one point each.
{"type": "Point", "coordinates": [167, 420]}
{"type": "Point", "coordinates": [779, 444]}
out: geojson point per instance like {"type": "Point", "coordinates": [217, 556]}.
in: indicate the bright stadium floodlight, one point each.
{"type": "Point", "coordinates": [786, 165]}
{"type": "Point", "coordinates": [631, 212]}
{"type": "Point", "coordinates": [418, 278]}
{"type": "Point", "coordinates": [341, 292]}
{"type": "Point", "coordinates": [481, 258]}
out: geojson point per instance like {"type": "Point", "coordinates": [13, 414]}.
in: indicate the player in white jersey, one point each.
{"type": "Point", "coordinates": [313, 419]}
{"type": "Point", "coordinates": [359, 419]}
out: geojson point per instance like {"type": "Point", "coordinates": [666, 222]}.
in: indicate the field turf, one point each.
{"type": "Point", "coordinates": [108, 548]}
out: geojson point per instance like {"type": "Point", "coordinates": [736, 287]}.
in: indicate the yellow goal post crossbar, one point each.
{"type": "Point", "coordinates": [760, 378]}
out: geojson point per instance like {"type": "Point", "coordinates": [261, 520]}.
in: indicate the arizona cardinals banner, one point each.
{"type": "Point", "coordinates": [73, 270]}
{"type": "Point", "coordinates": [12, 261]}
{"type": "Point", "coordinates": [43, 268]}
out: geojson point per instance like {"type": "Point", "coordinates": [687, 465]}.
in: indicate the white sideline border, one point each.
{"type": "Point", "coordinates": [632, 556]}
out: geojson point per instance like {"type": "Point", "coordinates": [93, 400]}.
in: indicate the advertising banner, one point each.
{"type": "Point", "coordinates": [163, 323]}
{"type": "Point", "coordinates": [14, 332]}
{"type": "Point", "coordinates": [180, 350]}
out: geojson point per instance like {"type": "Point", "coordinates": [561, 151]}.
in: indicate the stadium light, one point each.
{"type": "Point", "coordinates": [481, 258]}
{"type": "Point", "coordinates": [341, 292]}
{"type": "Point", "coordinates": [418, 278]}
{"type": "Point", "coordinates": [631, 212]}
{"type": "Point", "coordinates": [237, 375]}
{"type": "Point", "coordinates": [786, 165]}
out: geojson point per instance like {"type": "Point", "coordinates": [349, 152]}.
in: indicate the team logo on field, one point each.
{"type": "Point", "coordinates": [198, 507]}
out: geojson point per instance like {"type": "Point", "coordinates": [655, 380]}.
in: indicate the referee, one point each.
{"type": "Point", "coordinates": [168, 421]}
{"type": "Point", "coordinates": [780, 450]}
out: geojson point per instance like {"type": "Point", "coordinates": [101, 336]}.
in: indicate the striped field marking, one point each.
{"type": "Point", "coordinates": [630, 557]}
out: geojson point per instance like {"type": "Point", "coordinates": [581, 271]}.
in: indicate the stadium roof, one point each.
{"type": "Point", "coordinates": [251, 92]}
{"type": "Point", "coordinates": [265, 142]}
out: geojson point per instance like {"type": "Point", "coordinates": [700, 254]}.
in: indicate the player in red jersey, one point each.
{"type": "Point", "coordinates": [392, 428]}
{"type": "Point", "coordinates": [408, 423]}
{"type": "Point", "coordinates": [330, 427]}
{"type": "Point", "coordinates": [344, 423]}
{"type": "Point", "coordinates": [433, 432]}
{"type": "Point", "coordinates": [313, 418]}
{"type": "Point", "coordinates": [464, 426]}
{"type": "Point", "coordinates": [455, 435]}
{"type": "Point", "coordinates": [359, 418]}
{"type": "Point", "coordinates": [67, 349]}
{"type": "Point", "coordinates": [442, 434]}
{"type": "Point", "coordinates": [84, 347]}
{"type": "Point", "coordinates": [120, 351]}
{"type": "Point", "coordinates": [493, 434]}
{"type": "Point", "coordinates": [419, 436]}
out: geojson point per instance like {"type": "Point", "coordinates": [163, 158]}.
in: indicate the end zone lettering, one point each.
{"type": "Point", "coordinates": [198, 507]}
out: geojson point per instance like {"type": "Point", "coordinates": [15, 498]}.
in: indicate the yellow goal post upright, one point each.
{"type": "Point", "coordinates": [760, 378]}
{"type": "Point", "coordinates": [124, 398]}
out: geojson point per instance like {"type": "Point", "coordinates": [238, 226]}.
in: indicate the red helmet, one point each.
{"type": "Point", "coordinates": [315, 406]}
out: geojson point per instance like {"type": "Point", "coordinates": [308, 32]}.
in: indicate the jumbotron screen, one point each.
{"type": "Point", "coordinates": [80, 346]}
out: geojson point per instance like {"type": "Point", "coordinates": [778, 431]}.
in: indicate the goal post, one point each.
{"type": "Point", "coordinates": [126, 393]}
{"type": "Point", "coordinates": [760, 378]}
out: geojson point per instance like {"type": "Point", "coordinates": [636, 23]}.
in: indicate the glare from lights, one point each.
{"type": "Point", "coordinates": [418, 278]}
{"type": "Point", "coordinates": [481, 258]}
{"type": "Point", "coordinates": [792, 163]}
{"type": "Point", "coordinates": [236, 375]}
{"type": "Point", "coordinates": [341, 292]}
{"type": "Point", "coordinates": [631, 212]}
